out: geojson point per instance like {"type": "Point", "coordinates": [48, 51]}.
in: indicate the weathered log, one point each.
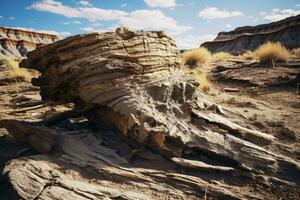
{"type": "Point", "coordinates": [133, 81]}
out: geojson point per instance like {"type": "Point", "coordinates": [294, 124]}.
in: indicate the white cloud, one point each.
{"type": "Point", "coordinates": [91, 13]}
{"type": "Point", "coordinates": [263, 13]}
{"type": "Point", "coordinates": [210, 13]}
{"type": "Point", "coordinates": [276, 14]}
{"type": "Point", "coordinates": [72, 22]}
{"type": "Point", "coordinates": [153, 20]}
{"type": "Point", "coordinates": [12, 18]}
{"type": "Point", "coordinates": [191, 41]}
{"type": "Point", "coordinates": [1, 16]}
{"type": "Point", "coordinates": [85, 3]}
{"type": "Point", "coordinates": [161, 3]}
{"type": "Point", "coordinates": [96, 24]}
{"type": "Point", "coordinates": [297, 5]}
{"type": "Point", "coordinates": [138, 19]}
{"type": "Point", "coordinates": [89, 29]}
{"type": "Point", "coordinates": [59, 34]}
{"type": "Point", "coordinates": [228, 26]}
{"type": "Point", "coordinates": [124, 5]}
{"type": "Point", "coordinates": [205, 38]}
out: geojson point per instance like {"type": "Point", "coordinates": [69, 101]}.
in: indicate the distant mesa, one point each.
{"type": "Point", "coordinates": [18, 42]}
{"type": "Point", "coordinates": [286, 31]}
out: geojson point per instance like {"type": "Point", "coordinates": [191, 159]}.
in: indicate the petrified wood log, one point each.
{"type": "Point", "coordinates": [133, 81]}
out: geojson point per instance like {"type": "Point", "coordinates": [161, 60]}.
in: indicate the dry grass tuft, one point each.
{"type": "Point", "coordinates": [196, 57]}
{"type": "Point", "coordinates": [5, 60]}
{"type": "Point", "coordinates": [14, 71]}
{"type": "Point", "coordinates": [220, 56]}
{"type": "Point", "coordinates": [201, 75]}
{"type": "Point", "coordinates": [296, 52]}
{"type": "Point", "coordinates": [205, 84]}
{"type": "Point", "coordinates": [272, 52]}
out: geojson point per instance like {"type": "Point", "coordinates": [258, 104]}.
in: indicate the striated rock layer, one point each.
{"type": "Point", "coordinates": [18, 42]}
{"type": "Point", "coordinates": [250, 37]}
{"type": "Point", "coordinates": [132, 84]}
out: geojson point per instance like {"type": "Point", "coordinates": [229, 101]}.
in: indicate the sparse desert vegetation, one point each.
{"type": "Point", "coordinates": [272, 52]}
{"type": "Point", "coordinates": [205, 84]}
{"type": "Point", "coordinates": [196, 57]}
{"type": "Point", "coordinates": [296, 52]}
{"type": "Point", "coordinates": [201, 75]}
{"type": "Point", "coordinates": [216, 57]}
{"type": "Point", "coordinates": [197, 61]}
{"type": "Point", "coordinates": [15, 72]}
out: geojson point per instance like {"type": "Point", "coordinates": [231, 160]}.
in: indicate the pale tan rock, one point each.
{"type": "Point", "coordinates": [200, 165]}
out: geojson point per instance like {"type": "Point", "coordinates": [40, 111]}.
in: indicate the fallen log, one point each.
{"type": "Point", "coordinates": [135, 83]}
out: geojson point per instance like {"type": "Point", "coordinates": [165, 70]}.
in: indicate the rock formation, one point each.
{"type": "Point", "coordinates": [256, 74]}
{"type": "Point", "coordinates": [18, 42]}
{"type": "Point", "coordinates": [250, 37]}
{"type": "Point", "coordinates": [132, 87]}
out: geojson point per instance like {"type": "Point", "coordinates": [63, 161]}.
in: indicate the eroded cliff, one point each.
{"type": "Point", "coordinates": [18, 42]}
{"type": "Point", "coordinates": [250, 37]}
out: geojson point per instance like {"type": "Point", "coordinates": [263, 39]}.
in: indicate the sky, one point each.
{"type": "Point", "coordinates": [189, 22]}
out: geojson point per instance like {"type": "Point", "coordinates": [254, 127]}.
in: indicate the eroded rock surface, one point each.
{"type": "Point", "coordinates": [151, 133]}
{"type": "Point", "coordinates": [250, 37]}
{"type": "Point", "coordinates": [18, 42]}
{"type": "Point", "coordinates": [253, 73]}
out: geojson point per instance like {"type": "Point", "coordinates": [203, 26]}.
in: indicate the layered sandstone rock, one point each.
{"type": "Point", "coordinates": [18, 42]}
{"type": "Point", "coordinates": [132, 87]}
{"type": "Point", "coordinates": [250, 37]}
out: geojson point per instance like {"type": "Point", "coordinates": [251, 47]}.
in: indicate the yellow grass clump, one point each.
{"type": "Point", "coordinates": [216, 57]}
{"type": "Point", "coordinates": [205, 84]}
{"type": "Point", "coordinates": [201, 75]}
{"type": "Point", "coordinates": [272, 52]}
{"type": "Point", "coordinates": [196, 57]}
{"type": "Point", "coordinates": [15, 72]}
{"type": "Point", "coordinates": [296, 52]}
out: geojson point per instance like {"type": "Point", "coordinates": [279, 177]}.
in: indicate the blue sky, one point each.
{"type": "Point", "coordinates": [190, 22]}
